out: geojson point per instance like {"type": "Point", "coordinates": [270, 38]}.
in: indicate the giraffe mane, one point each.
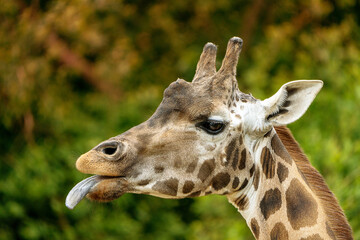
{"type": "Point", "coordinates": [335, 215]}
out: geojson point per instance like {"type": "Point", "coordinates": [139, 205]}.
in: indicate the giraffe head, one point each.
{"type": "Point", "coordinates": [197, 142]}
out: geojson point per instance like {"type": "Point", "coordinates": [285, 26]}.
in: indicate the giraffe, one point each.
{"type": "Point", "coordinates": [208, 137]}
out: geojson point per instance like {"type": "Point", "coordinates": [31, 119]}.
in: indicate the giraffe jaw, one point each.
{"type": "Point", "coordinates": [99, 188]}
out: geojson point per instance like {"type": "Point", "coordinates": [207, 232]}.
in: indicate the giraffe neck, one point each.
{"type": "Point", "coordinates": [278, 203]}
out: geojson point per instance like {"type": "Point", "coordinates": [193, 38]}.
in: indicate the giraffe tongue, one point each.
{"type": "Point", "coordinates": [80, 190]}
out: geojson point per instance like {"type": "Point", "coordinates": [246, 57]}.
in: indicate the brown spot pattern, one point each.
{"type": "Point", "coordinates": [256, 178]}
{"type": "Point", "coordinates": [301, 206]}
{"type": "Point", "coordinates": [243, 185]}
{"type": "Point", "coordinates": [242, 202]}
{"type": "Point", "coordinates": [194, 194]}
{"type": "Point", "coordinates": [144, 139]}
{"type": "Point", "coordinates": [230, 149]}
{"type": "Point", "coordinates": [178, 163]}
{"type": "Point", "coordinates": [252, 170]}
{"type": "Point", "coordinates": [242, 160]}
{"type": "Point", "coordinates": [235, 159]}
{"type": "Point", "coordinates": [206, 169]}
{"type": "Point", "coordinates": [312, 237]}
{"type": "Point", "coordinates": [159, 169]}
{"type": "Point", "coordinates": [192, 166]}
{"type": "Point", "coordinates": [280, 149]}
{"type": "Point", "coordinates": [221, 180]}
{"type": "Point", "coordinates": [271, 202]}
{"type": "Point", "coordinates": [235, 183]}
{"type": "Point", "coordinates": [167, 187]}
{"type": "Point", "coordinates": [144, 182]}
{"type": "Point", "coordinates": [188, 186]}
{"type": "Point", "coordinates": [268, 163]}
{"type": "Point", "coordinates": [279, 232]}
{"type": "Point", "coordinates": [255, 227]}
{"type": "Point", "coordinates": [282, 172]}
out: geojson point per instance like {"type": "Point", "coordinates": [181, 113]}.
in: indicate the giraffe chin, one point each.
{"type": "Point", "coordinates": [98, 188]}
{"type": "Point", "coordinates": [108, 189]}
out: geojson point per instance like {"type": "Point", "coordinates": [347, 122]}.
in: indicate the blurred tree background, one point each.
{"type": "Point", "coordinates": [76, 72]}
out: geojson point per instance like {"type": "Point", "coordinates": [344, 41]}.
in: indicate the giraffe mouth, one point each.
{"type": "Point", "coordinates": [97, 187]}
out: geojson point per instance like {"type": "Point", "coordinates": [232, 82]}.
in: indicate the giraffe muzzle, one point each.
{"type": "Point", "coordinates": [106, 162]}
{"type": "Point", "coordinates": [106, 159]}
{"type": "Point", "coordinates": [100, 188]}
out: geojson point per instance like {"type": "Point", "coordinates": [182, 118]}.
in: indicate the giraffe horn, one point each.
{"type": "Point", "coordinates": [231, 58]}
{"type": "Point", "coordinates": [206, 65]}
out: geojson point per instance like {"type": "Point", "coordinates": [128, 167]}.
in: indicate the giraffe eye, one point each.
{"type": "Point", "coordinates": [211, 126]}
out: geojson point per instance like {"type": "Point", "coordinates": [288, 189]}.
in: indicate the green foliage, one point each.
{"type": "Point", "coordinates": [74, 73]}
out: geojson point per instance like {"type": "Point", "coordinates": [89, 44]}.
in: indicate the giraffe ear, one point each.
{"type": "Point", "coordinates": [291, 101]}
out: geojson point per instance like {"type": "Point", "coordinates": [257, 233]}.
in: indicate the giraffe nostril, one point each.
{"type": "Point", "coordinates": [109, 150]}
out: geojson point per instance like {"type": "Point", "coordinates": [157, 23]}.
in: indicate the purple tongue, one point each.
{"type": "Point", "coordinates": [80, 190]}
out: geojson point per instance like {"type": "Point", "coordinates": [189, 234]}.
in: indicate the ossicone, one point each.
{"type": "Point", "coordinates": [231, 58]}
{"type": "Point", "coordinates": [206, 66]}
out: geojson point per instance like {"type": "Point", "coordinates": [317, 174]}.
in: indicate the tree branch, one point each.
{"type": "Point", "coordinates": [79, 64]}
